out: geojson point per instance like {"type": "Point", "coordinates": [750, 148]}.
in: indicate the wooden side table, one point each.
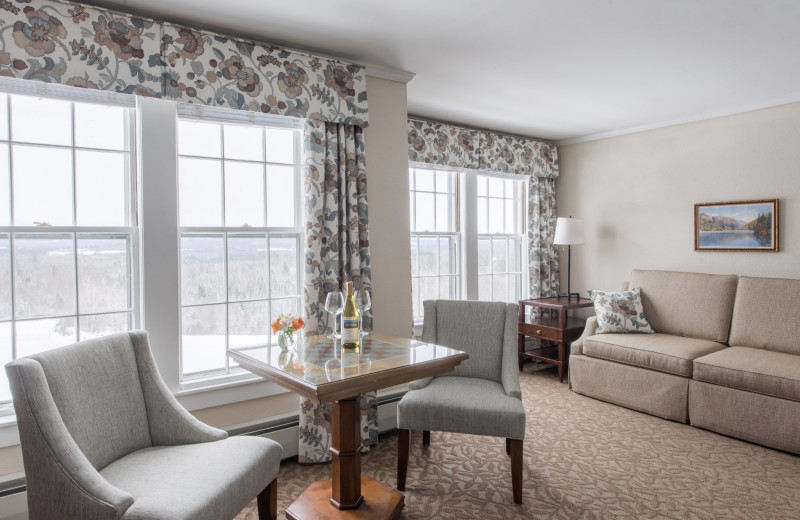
{"type": "Point", "coordinates": [560, 330]}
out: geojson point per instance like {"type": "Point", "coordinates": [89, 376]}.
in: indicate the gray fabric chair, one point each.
{"type": "Point", "coordinates": [104, 438]}
{"type": "Point", "coordinates": [482, 395]}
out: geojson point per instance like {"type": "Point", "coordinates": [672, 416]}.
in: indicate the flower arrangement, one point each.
{"type": "Point", "coordinates": [285, 326]}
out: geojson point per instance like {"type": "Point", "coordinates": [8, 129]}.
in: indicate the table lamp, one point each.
{"type": "Point", "coordinates": [569, 231]}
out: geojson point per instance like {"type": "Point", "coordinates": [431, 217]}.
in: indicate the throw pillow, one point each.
{"type": "Point", "coordinates": [620, 312]}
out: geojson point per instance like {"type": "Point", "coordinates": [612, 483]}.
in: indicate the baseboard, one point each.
{"type": "Point", "coordinates": [14, 500]}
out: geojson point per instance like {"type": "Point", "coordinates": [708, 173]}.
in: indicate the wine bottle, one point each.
{"type": "Point", "coordinates": [350, 336]}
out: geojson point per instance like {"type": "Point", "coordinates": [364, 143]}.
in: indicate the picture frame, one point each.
{"type": "Point", "coordinates": [740, 226]}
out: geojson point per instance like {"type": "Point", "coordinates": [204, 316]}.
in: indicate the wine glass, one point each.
{"type": "Point", "coordinates": [363, 304]}
{"type": "Point", "coordinates": [334, 304]}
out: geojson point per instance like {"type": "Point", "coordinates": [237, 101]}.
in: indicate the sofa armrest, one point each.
{"type": "Point", "coordinates": [55, 466]}
{"type": "Point", "coordinates": [576, 348]}
{"type": "Point", "coordinates": [170, 423]}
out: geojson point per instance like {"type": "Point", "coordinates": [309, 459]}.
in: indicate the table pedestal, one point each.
{"type": "Point", "coordinates": [348, 494]}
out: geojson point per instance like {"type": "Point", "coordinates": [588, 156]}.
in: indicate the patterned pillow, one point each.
{"type": "Point", "coordinates": [620, 312]}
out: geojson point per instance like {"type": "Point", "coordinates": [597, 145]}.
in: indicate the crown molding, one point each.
{"type": "Point", "coordinates": [401, 76]}
{"type": "Point", "coordinates": [741, 109]}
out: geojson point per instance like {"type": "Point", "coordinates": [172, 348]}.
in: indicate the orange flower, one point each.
{"type": "Point", "coordinates": [298, 324]}
{"type": "Point", "coordinates": [276, 326]}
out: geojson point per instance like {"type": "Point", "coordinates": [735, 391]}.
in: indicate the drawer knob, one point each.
{"type": "Point", "coordinates": [538, 332]}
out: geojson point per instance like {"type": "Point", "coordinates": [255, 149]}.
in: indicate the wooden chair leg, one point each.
{"type": "Point", "coordinates": [426, 437]}
{"type": "Point", "coordinates": [516, 469]}
{"type": "Point", "coordinates": [268, 502]}
{"type": "Point", "coordinates": [508, 446]}
{"type": "Point", "coordinates": [403, 444]}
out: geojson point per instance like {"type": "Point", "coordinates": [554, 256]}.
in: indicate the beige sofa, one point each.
{"type": "Point", "coordinates": [725, 356]}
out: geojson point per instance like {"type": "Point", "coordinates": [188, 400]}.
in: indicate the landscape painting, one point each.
{"type": "Point", "coordinates": [750, 225]}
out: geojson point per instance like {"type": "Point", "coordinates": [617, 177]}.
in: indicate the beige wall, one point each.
{"type": "Point", "coordinates": [636, 194]}
{"type": "Point", "coordinates": [386, 140]}
{"type": "Point", "coordinates": [10, 460]}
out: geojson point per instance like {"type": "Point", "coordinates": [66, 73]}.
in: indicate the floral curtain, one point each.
{"type": "Point", "coordinates": [89, 47]}
{"type": "Point", "coordinates": [337, 250]}
{"type": "Point", "coordinates": [439, 143]}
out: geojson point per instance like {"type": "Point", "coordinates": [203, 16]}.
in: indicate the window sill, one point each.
{"type": "Point", "coordinates": [219, 391]}
{"type": "Point", "coordinates": [9, 434]}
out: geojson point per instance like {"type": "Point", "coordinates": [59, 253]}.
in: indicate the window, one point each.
{"type": "Point", "coordinates": [471, 223]}
{"type": "Point", "coordinates": [435, 251]}
{"type": "Point", "coordinates": [500, 239]}
{"type": "Point", "coordinates": [240, 238]}
{"type": "Point", "coordinates": [68, 236]}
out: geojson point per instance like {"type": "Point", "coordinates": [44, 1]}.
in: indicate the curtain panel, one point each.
{"type": "Point", "coordinates": [442, 144]}
{"type": "Point", "coordinates": [89, 47]}
{"type": "Point", "coordinates": [336, 251]}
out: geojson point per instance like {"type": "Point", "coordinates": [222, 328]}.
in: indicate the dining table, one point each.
{"type": "Point", "coordinates": [323, 370]}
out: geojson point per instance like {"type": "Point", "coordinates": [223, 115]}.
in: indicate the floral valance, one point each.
{"type": "Point", "coordinates": [439, 143]}
{"type": "Point", "coordinates": [82, 46]}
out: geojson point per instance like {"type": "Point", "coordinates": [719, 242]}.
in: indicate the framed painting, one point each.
{"type": "Point", "coordinates": [749, 225]}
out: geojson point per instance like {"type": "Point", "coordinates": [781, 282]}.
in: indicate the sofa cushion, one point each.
{"type": "Point", "coordinates": [661, 352]}
{"type": "Point", "coordinates": [754, 370]}
{"type": "Point", "coordinates": [765, 314]}
{"type": "Point", "coordinates": [693, 305]}
{"type": "Point", "coordinates": [619, 312]}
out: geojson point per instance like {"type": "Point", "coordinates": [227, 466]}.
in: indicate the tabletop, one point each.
{"type": "Point", "coordinates": [321, 369]}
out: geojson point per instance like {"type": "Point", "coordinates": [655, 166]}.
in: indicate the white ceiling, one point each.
{"type": "Point", "coordinates": [562, 70]}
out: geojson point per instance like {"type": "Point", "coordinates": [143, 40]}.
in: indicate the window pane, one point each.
{"type": "Point", "coordinates": [499, 288]}
{"type": "Point", "coordinates": [200, 192]}
{"type": "Point", "coordinates": [248, 324]}
{"type": "Point", "coordinates": [414, 256]}
{"type": "Point", "coordinates": [244, 194]}
{"type": "Point", "coordinates": [428, 289]}
{"type": "Point", "coordinates": [428, 261]}
{"type": "Point", "coordinates": [34, 336]}
{"type": "Point", "coordinates": [485, 287]}
{"type": "Point", "coordinates": [100, 185]}
{"type": "Point", "coordinates": [484, 256]}
{"type": "Point", "coordinates": [483, 215]}
{"type": "Point", "coordinates": [424, 180]}
{"type": "Point", "coordinates": [44, 275]}
{"type": "Point", "coordinates": [499, 255]}
{"type": "Point", "coordinates": [283, 266]}
{"type": "Point", "coordinates": [247, 267]}
{"type": "Point", "coordinates": [411, 179]}
{"type": "Point", "coordinates": [447, 288]}
{"type": "Point", "coordinates": [519, 218]}
{"type": "Point", "coordinates": [104, 324]}
{"type": "Point", "coordinates": [495, 215]}
{"type": "Point", "coordinates": [509, 210]}
{"type": "Point", "coordinates": [411, 212]}
{"type": "Point", "coordinates": [4, 117]}
{"type": "Point", "coordinates": [5, 357]}
{"type": "Point", "coordinates": [446, 260]}
{"type": "Point", "coordinates": [511, 187]}
{"type": "Point", "coordinates": [443, 181]}
{"type": "Point", "coordinates": [513, 255]}
{"type": "Point", "coordinates": [243, 142]}
{"type": "Point", "coordinates": [39, 120]}
{"type": "Point", "coordinates": [5, 186]}
{"type": "Point", "coordinates": [443, 213]}
{"type": "Point", "coordinates": [203, 338]}
{"type": "Point", "coordinates": [425, 215]}
{"type": "Point", "coordinates": [202, 269]}
{"type": "Point", "coordinates": [35, 167]}
{"type": "Point", "coordinates": [280, 145]}
{"type": "Point", "coordinates": [201, 139]}
{"type": "Point", "coordinates": [100, 126]}
{"type": "Point", "coordinates": [280, 196]}
{"type": "Point", "coordinates": [5, 277]}
{"type": "Point", "coordinates": [416, 309]}
{"type": "Point", "coordinates": [103, 273]}
{"type": "Point", "coordinates": [495, 186]}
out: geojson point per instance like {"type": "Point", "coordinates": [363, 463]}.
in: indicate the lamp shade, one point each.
{"type": "Point", "coordinates": [569, 231]}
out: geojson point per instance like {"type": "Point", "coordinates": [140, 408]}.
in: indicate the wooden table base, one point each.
{"type": "Point", "coordinates": [380, 503]}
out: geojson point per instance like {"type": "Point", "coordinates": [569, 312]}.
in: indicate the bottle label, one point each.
{"type": "Point", "coordinates": [349, 330]}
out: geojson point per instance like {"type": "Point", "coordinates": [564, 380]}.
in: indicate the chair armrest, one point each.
{"type": "Point", "coordinates": [55, 466]}
{"type": "Point", "coordinates": [170, 423]}
{"type": "Point", "coordinates": [509, 376]}
{"type": "Point", "coordinates": [576, 348]}
{"type": "Point", "coordinates": [419, 383]}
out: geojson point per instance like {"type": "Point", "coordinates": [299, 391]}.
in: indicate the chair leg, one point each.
{"type": "Point", "coordinates": [426, 437]}
{"type": "Point", "coordinates": [516, 469]}
{"type": "Point", "coordinates": [508, 446]}
{"type": "Point", "coordinates": [403, 444]}
{"type": "Point", "coordinates": [268, 502]}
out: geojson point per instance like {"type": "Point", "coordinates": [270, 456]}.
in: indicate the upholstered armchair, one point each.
{"type": "Point", "coordinates": [103, 438]}
{"type": "Point", "coordinates": [482, 396]}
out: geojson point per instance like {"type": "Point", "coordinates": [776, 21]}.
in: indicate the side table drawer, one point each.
{"type": "Point", "coordinates": [538, 331]}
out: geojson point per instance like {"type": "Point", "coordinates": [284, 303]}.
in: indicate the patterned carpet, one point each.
{"type": "Point", "coordinates": [584, 459]}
